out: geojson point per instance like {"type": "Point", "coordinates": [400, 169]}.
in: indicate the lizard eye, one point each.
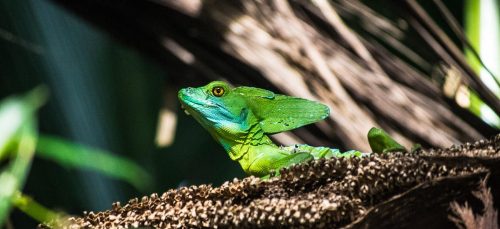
{"type": "Point", "coordinates": [218, 91]}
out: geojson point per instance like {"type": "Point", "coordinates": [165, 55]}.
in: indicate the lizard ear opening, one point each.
{"type": "Point", "coordinates": [279, 113]}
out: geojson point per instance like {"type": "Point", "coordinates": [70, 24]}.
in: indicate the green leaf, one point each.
{"type": "Point", "coordinates": [15, 111]}
{"type": "Point", "coordinates": [35, 210]}
{"type": "Point", "coordinates": [473, 31]}
{"type": "Point", "coordinates": [74, 155]}
{"type": "Point", "coordinates": [18, 137]}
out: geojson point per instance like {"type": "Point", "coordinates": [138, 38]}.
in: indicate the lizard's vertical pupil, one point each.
{"type": "Point", "coordinates": [218, 91]}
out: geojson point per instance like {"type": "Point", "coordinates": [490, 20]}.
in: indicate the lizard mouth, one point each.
{"type": "Point", "coordinates": [193, 104]}
{"type": "Point", "coordinates": [184, 109]}
{"type": "Point", "coordinates": [189, 106]}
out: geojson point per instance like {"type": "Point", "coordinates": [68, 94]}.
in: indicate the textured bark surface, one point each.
{"type": "Point", "coordinates": [399, 190]}
{"type": "Point", "coordinates": [371, 68]}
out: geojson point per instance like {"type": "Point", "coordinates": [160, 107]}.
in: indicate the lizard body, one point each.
{"type": "Point", "coordinates": [242, 118]}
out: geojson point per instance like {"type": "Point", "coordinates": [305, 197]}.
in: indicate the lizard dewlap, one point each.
{"type": "Point", "coordinates": [241, 118]}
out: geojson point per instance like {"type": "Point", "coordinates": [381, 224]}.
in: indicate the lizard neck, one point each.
{"type": "Point", "coordinates": [238, 145]}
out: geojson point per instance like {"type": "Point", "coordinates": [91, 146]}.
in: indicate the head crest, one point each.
{"type": "Point", "coordinates": [278, 113]}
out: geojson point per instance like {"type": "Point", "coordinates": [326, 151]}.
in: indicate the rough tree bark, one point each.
{"type": "Point", "coordinates": [397, 190]}
{"type": "Point", "coordinates": [366, 70]}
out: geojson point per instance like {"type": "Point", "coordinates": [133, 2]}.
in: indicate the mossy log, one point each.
{"type": "Point", "coordinates": [397, 190]}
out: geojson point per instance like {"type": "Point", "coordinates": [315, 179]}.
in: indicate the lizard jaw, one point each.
{"type": "Point", "coordinates": [184, 109]}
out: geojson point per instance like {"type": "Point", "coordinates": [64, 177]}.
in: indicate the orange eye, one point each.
{"type": "Point", "coordinates": [218, 91]}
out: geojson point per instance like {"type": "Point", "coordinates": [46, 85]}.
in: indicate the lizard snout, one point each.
{"type": "Point", "coordinates": [184, 91]}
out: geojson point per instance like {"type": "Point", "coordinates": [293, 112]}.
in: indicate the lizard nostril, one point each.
{"type": "Point", "coordinates": [184, 92]}
{"type": "Point", "coordinates": [187, 90]}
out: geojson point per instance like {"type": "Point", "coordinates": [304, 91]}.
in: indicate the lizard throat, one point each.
{"type": "Point", "coordinates": [238, 148]}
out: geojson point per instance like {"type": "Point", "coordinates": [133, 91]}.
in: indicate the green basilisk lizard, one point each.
{"type": "Point", "coordinates": [242, 118]}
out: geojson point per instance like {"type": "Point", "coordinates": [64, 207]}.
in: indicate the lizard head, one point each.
{"type": "Point", "coordinates": [215, 106]}
{"type": "Point", "coordinates": [219, 106]}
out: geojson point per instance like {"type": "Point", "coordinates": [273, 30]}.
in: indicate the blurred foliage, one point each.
{"type": "Point", "coordinates": [18, 141]}
{"type": "Point", "coordinates": [72, 155]}
{"type": "Point", "coordinates": [472, 27]}
{"type": "Point", "coordinates": [475, 28]}
{"type": "Point", "coordinates": [17, 144]}
{"type": "Point", "coordinates": [35, 210]}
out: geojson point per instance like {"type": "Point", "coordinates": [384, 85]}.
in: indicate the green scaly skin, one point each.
{"type": "Point", "coordinates": [241, 119]}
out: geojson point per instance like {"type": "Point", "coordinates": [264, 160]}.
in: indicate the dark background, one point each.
{"type": "Point", "coordinates": [105, 95]}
